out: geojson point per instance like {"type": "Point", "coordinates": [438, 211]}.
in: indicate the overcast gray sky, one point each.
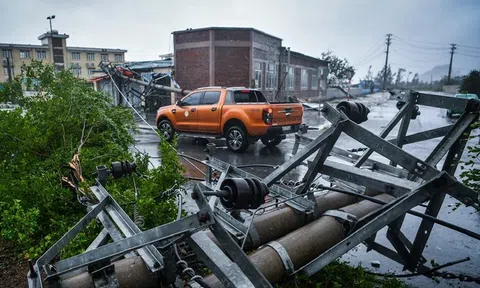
{"type": "Point", "coordinates": [351, 28]}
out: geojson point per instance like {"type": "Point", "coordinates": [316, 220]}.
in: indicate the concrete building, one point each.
{"type": "Point", "coordinates": [220, 56]}
{"type": "Point", "coordinates": [53, 49]}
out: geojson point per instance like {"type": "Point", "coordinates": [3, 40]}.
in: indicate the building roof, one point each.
{"type": "Point", "coordinates": [24, 46]}
{"type": "Point", "coordinates": [91, 49]}
{"type": "Point", "coordinates": [224, 28]}
{"type": "Point", "coordinates": [297, 54]}
{"type": "Point", "coordinates": [53, 34]}
{"type": "Point", "coordinates": [143, 65]}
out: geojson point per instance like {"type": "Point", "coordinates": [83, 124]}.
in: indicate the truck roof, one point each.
{"type": "Point", "coordinates": [228, 88]}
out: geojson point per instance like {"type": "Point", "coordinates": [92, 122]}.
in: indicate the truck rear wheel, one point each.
{"type": "Point", "coordinates": [237, 140]}
{"type": "Point", "coordinates": [271, 141]}
{"type": "Point", "coordinates": [166, 129]}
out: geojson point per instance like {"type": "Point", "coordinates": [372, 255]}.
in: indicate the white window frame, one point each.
{"type": "Point", "coordinates": [76, 57]}
{"type": "Point", "coordinates": [117, 56]}
{"type": "Point", "coordinates": [304, 79]}
{"type": "Point", "coordinates": [291, 78]}
{"type": "Point", "coordinates": [77, 71]}
{"type": "Point", "coordinates": [271, 76]}
{"type": "Point", "coordinates": [314, 78]}
{"type": "Point", "coordinates": [7, 53]}
{"type": "Point", "coordinates": [90, 71]}
{"type": "Point", "coordinates": [24, 54]}
{"type": "Point", "coordinates": [90, 56]}
{"type": "Point", "coordinates": [104, 57]}
{"type": "Point", "coordinates": [257, 72]}
{"type": "Point", "coordinates": [41, 54]}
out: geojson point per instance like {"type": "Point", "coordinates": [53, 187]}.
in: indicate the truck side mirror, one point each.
{"type": "Point", "coordinates": [179, 103]}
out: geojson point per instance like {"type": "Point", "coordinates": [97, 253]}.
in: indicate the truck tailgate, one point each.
{"type": "Point", "coordinates": [286, 114]}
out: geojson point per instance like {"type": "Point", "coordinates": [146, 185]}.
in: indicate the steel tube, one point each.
{"type": "Point", "coordinates": [305, 243]}
{"type": "Point", "coordinates": [130, 272]}
{"type": "Point", "coordinates": [157, 86]}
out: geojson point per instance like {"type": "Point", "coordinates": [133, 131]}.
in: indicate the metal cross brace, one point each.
{"type": "Point", "coordinates": [398, 208]}
{"type": "Point", "coordinates": [230, 246]}
{"type": "Point", "coordinates": [186, 225]}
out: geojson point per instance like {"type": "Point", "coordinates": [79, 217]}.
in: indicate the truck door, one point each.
{"type": "Point", "coordinates": [186, 115]}
{"type": "Point", "coordinates": [209, 112]}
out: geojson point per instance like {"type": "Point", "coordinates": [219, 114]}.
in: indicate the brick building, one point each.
{"type": "Point", "coordinates": [246, 57]}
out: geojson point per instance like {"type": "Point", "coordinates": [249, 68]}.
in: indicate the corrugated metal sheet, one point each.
{"type": "Point", "coordinates": [145, 65]}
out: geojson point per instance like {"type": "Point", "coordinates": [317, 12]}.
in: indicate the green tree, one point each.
{"type": "Point", "coordinates": [64, 118]}
{"type": "Point", "coordinates": [390, 76]}
{"type": "Point", "coordinates": [471, 83]}
{"type": "Point", "coordinates": [471, 172]}
{"type": "Point", "coordinates": [338, 69]}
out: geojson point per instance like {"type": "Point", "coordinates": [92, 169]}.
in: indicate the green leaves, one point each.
{"type": "Point", "coordinates": [65, 116]}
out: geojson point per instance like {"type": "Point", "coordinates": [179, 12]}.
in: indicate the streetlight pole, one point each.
{"type": "Point", "coordinates": [49, 18]}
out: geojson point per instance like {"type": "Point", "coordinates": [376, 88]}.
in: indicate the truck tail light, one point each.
{"type": "Point", "coordinates": [267, 116]}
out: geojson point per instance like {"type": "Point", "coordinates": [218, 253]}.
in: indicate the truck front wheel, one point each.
{"type": "Point", "coordinates": [166, 129]}
{"type": "Point", "coordinates": [237, 139]}
{"type": "Point", "coordinates": [271, 141]}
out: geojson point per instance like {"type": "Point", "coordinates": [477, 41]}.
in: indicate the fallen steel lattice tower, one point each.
{"type": "Point", "coordinates": [301, 230]}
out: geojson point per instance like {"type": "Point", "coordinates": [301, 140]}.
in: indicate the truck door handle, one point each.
{"type": "Point", "coordinates": [214, 109]}
{"type": "Point", "coordinates": [193, 109]}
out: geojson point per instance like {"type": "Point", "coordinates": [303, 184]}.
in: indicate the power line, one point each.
{"type": "Point", "coordinates": [419, 44]}
{"type": "Point", "coordinates": [468, 55]}
{"type": "Point", "coordinates": [470, 47]}
{"type": "Point", "coordinates": [368, 61]}
{"type": "Point", "coordinates": [375, 47]}
{"type": "Point", "coordinates": [414, 60]}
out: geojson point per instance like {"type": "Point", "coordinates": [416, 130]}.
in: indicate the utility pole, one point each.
{"type": "Point", "coordinates": [452, 51]}
{"type": "Point", "coordinates": [389, 41]}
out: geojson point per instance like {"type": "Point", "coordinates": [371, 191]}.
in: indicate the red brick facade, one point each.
{"type": "Point", "coordinates": [192, 67]}
{"type": "Point", "coordinates": [232, 66]}
{"type": "Point", "coordinates": [227, 57]}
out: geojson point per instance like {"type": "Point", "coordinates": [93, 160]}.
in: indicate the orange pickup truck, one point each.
{"type": "Point", "coordinates": [241, 115]}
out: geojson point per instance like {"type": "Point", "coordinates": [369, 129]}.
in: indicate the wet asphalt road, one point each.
{"type": "Point", "coordinates": [444, 245]}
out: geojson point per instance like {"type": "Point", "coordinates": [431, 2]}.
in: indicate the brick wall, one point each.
{"type": "Point", "coordinates": [232, 66]}
{"type": "Point", "coordinates": [192, 67]}
{"type": "Point", "coordinates": [232, 35]}
{"type": "Point", "coordinates": [194, 36]}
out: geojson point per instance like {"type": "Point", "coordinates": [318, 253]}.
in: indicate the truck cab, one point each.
{"type": "Point", "coordinates": [241, 115]}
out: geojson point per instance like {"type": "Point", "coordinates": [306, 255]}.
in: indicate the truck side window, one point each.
{"type": "Point", "coordinates": [248, 96]}
{"type": "Point", "coordinates": [211, 97]}
{"type": "Point", "coordinates": [193, 99]}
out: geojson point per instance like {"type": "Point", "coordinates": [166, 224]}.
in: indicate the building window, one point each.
{"type": "Point", "coordinates": [77, 71]}
{"type": "Point", "coordinates": [41, 54]}
{"type": "Point", "coordinates": [304, 79]}
{"type": "Point", "coordinates": [258, 75]}
{"type": "Point", "coordinates": [118, 58]}
{"type": "Point", "coordinates": [75, 55]}
{"type": "Point", "coordinates": [104, 57]}
{"type": "Point", "coordinates": [271, 75]}
{"type": "Point", "coordinates": [291, 78]}
{"type": "Point", "coordinates": [7, 53]}
{"type": "Point", "coordinates": [90, 57]}
{"type": "Point", "coordinates": [24, 54]}
{"type": "Point", "coordinates": [91, 71]}
{"type": "Point", "coordinates": [5, 71]}
{"type": "Point", "coordinates": [314, 80]}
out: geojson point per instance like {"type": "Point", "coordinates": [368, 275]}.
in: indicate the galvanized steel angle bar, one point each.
{"type": "Point", "coordinates": [149, 254]}
{"type": "Point", "coordinates": [407, 202]}
{"type": "Point", "coordinates": [185, 225]}
{"type": "Point", "coordinates": [229, 246]}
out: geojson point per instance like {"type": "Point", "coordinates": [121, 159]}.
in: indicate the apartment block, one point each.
{"type": "Point", "coordinates": [82, 61]}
